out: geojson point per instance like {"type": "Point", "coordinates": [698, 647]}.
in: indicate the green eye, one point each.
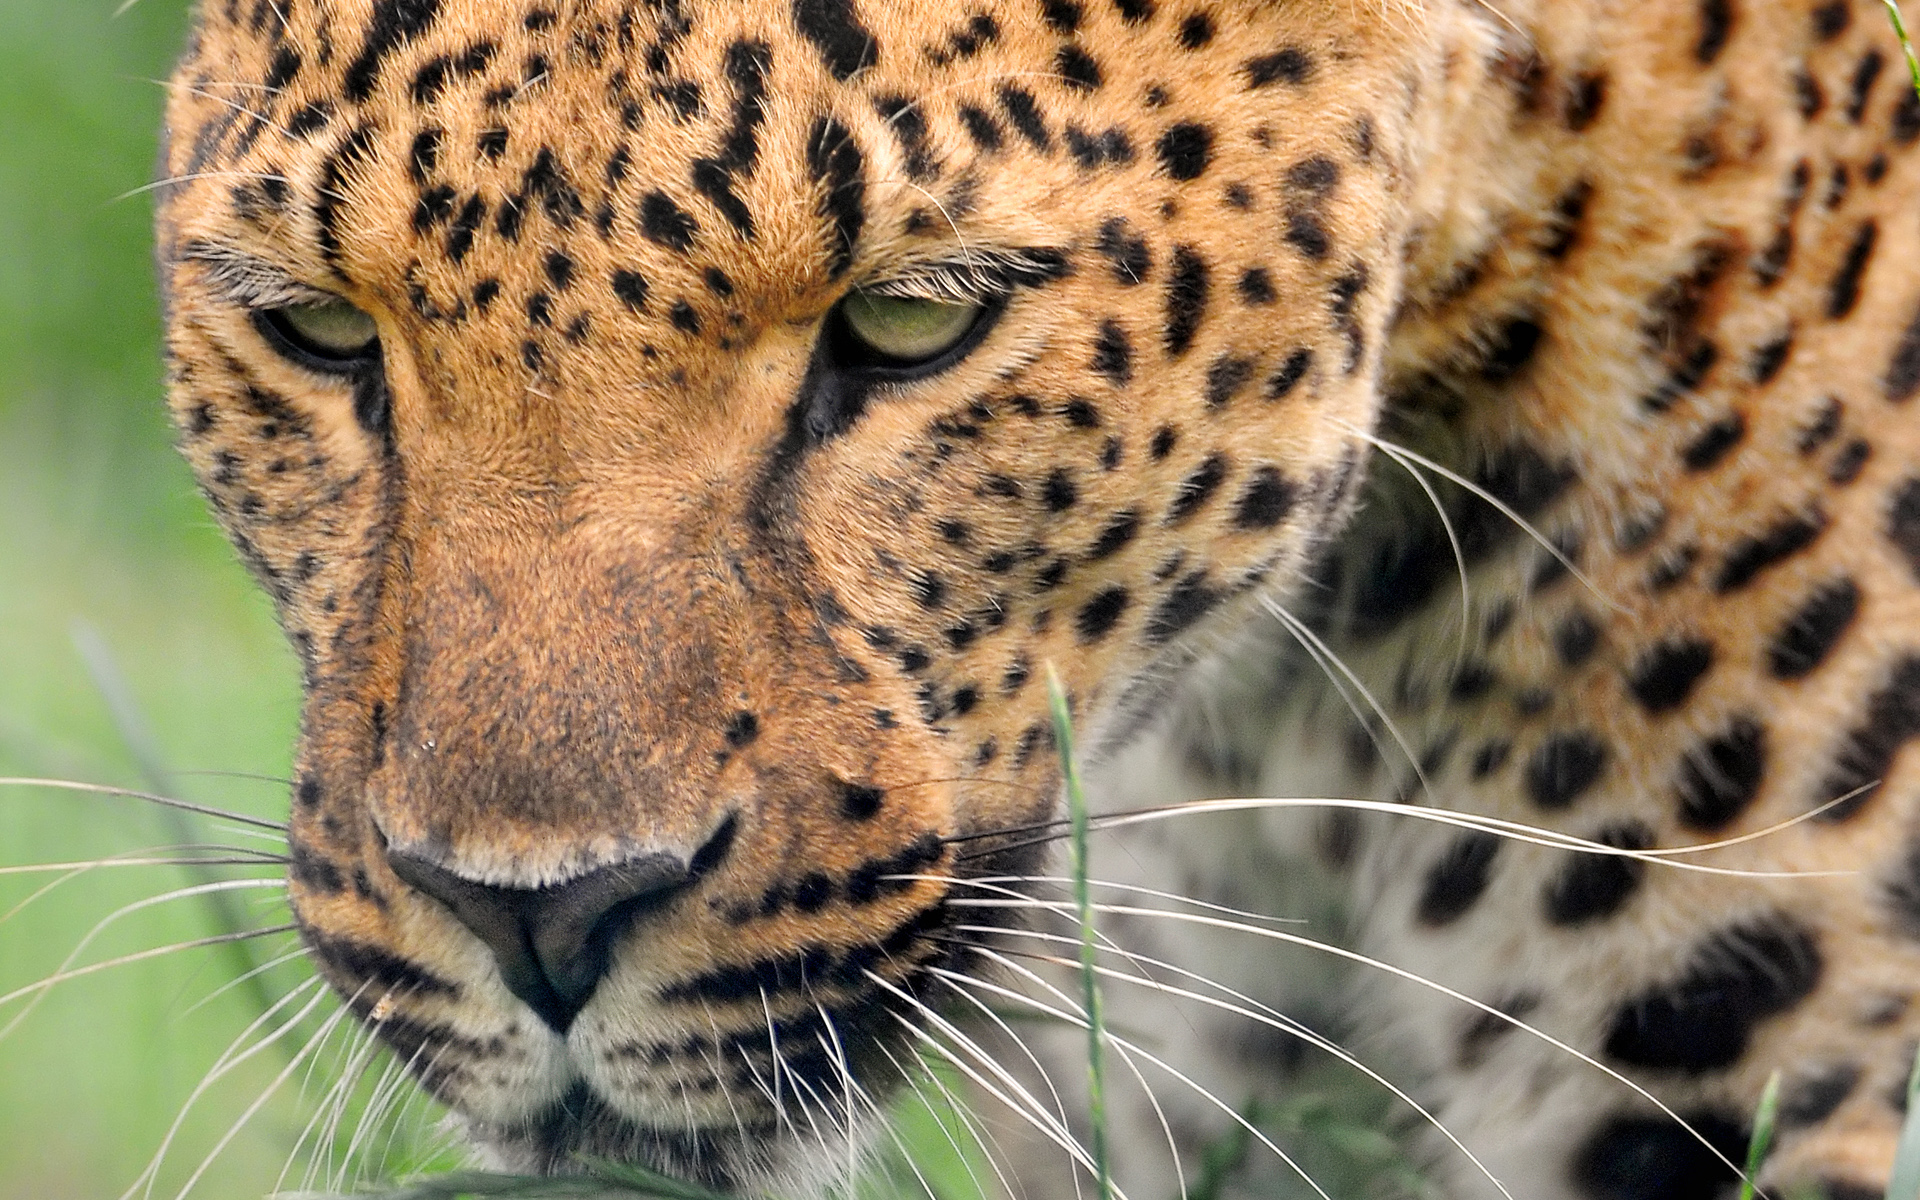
{"type": "Point", "coordinates": [329, 334]}
{"type": "Point", "coordinates": [905, 332]}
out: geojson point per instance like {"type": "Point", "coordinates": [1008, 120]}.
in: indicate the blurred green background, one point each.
{"type": "Point", "coordinates": [101, 531]}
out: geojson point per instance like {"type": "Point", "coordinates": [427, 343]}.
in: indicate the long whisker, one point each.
{"type": "Point", "coordinates": [1072, 1015]}
{"type": "Point", "coordinates": [1257, 1011]}
{"type": "Point", "coordinates": [229, 1059]}
{"type": "Point", "coordinates": [67, 971]}
{"type": "Point", "coordinates": [1504, 508]}
{"type": "Point", "coordinates": [955, 982]}
{"type": "Point", "coordinates": [102, 789]}
{"type": "Point", "coordinates": [1027, 1106]}
{"type": "Point", "coordinates": [249, 859]}
{"type": "Point", "coordinates": [1513, 830]}
{"type": "Point", "coordinates": [1324, 654]}
{"type": "Point", "coordinates": [1453, 541]}
{"type": "Point", "coordinates": [958, 1108]}
{"type": "Point", "coordinates": [1375, 964]}
{"type": "Point", "coordinates": [912, 1080]}
{"type": "Point", "coordinates": [298, 952]}
{"type": "Point", "coordinates": [233, 1131]}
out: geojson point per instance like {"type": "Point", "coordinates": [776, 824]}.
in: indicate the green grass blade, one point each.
{"type": "Point", "coordinates": [1906, 43]}
{"type": "Point", "coordinates": [1762, 1139]}
{"type": "Point", "coordinates": [1905, 1184]}
{"type": "Point", "coordinates": [1083, 905]}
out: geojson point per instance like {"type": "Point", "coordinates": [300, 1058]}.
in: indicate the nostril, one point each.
{"type": "Point", "coordinates": [553, 943]}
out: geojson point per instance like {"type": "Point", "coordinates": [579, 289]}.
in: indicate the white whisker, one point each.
{"type": "Point", "coordinates": [1375, 964]}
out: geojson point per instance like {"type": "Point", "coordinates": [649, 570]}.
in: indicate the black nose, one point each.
{"type": "Point", "coordinates": [553, 943]}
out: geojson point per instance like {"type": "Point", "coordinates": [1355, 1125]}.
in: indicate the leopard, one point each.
{"type": "Point", "coordinates": [699, 451]}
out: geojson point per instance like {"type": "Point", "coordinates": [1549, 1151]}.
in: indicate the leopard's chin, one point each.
{"type": "Point", "coordinates": [582, 1133]}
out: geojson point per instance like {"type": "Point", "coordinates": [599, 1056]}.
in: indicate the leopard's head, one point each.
{"type": "Point", "coordinates": [679, 437]}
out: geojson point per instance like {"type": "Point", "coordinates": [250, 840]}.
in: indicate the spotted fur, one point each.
{"type": "Point", "coordinates": [606, 563]}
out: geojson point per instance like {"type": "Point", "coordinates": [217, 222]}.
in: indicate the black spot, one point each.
{"type": "Point", "coordinates": [1564, 767]}
{"type": "Point", "coordinates": [1787, 536]}
{"type": "Point", "coordinates": [1770, 356]}
{"type": "Point", "coordinates": [1063, 16]}
{"type": "Point", "coordinates": [1844, 290]}
{"type": "Point", "coordinates": [834, 28]}
{"type": "Point", "coordinates": [742, 729]}
{"type": "Point", "coordinates": [1113, 354]}
{"type": "Point", "coordinates": [1711, 444]}
{"type": "Point", "coordinates": [314, 872]}
{"type": "Point", "coordinates": [1256, 287]}
{"type": "Point", "coordinates": [1024, 112]}
{"type": "Point", "coordinates": [1665, 676]}
{"type": "Point", "coordinates": [1308, 235]}
{"type": "Point", "coordinates": [1186, 299]}
{"type": "Point", "coordinates": [1185, 150]}
{"type": "Point", "coordinates": [1812, 1096]}
{"type": "Point", "coordinates": [392, 25]}
{"type": "Point", "coordinates": [683, 316]}
{"type": "Point", "coordinates": [1059, 492]}
{"type": "Point", "coordinates": [1849, 460]}
{"type": "Point", "coordinates": [1186, 602]}
{"type": "Point", "coordinates": [1592, 886]}
{"type": "Point", "coordinates": [1290, 65]}
{"type": "Point", "coordinates": [1906, 118]}
{"type": "Point", "coordinates": [835, 161]}
{"type": "Point", "coordinates": [1128, 253]}
{"type": "Point", "coordinates": [1164, 439]}
{"type": "Point", "coordinates": [631, 288]}
{"type": "Point", "coordinates": [1867, 754]}
{"type": "Point", "coordinates": [1510, 348]}
{"type": "Point", "coordinates": [1267, 500]}
{"type": "Point", "coordinates": [1719, 777]}
{"type": "Point", "coordinates": [1197, 488]}
{"type": "Point", "coordinates": [1830, 20]}
{"type": "Point", "coordinates": [1119, 531]}
{"type": "Point", "coordinates": [1458, 878]}
{"type": "Point", "coordinates": [1077, 68]}
{"type": "Point", "coordinates": [1226, 375]}
{"type": "Point", "coordinates": [1903, 373]}
{"type": "Point", "coordinates": [982, 128]}
{"type": "Point", "coordinates": [1134, 11]}
{"type": "Point", "coordinates": [1703, 1020]}
{"type": "Point", "coordinates": [1653, 1158]}
{"type": "Point", "coordinates": [1716, 26]}
{"type": "Point", "coordinates": [1861, 87]}
{"type": "Point", "coordinates": [1903, 521]}
{"type": "Point", "coordinates": [1586, 93]}
{"type": "Point", "coordinates": [1813, 629]}
{"type": "Point", "coordinates": [667, 223]}
{"type": "Point", "coordinates": [1099, 615]}
{"type": "Point", "coordinates": [1472, 680]}
{"type": "Point", "coordinates": [929, 590]}
{"type": "Point", "coordinates": [1575, 638]}
{"type": "Point", "coordinates": [1490, 758]}
{"type": "Point", "coordinates": [1291, 372]}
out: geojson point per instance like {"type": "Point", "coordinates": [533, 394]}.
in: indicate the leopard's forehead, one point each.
{"type": "Point", "coordinates": [699, 165]}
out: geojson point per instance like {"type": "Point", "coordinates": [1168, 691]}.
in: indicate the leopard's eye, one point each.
{"type": "Point", "coordinates": [329, 335]}
{"type": "Point", "coordinates": [901, 332]}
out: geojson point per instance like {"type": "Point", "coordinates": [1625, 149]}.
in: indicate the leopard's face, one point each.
{"type": "Point", "coordinates": [661, 631]}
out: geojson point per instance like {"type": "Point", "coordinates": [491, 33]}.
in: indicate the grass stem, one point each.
{"type": "Point", "coordinates": [1083, 905]}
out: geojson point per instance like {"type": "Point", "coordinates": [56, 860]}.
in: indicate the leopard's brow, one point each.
{"type": "Point", "coordinates": [244, 278]}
